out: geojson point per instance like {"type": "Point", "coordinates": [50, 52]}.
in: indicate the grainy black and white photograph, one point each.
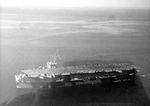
{"type": "Point", "coordinates": [75, 53]}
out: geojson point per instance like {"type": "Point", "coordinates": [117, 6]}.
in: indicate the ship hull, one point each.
{"type": "Point", "coordinates": [91, 80]}
{"type": "Point", "coordinates": [77, 75]}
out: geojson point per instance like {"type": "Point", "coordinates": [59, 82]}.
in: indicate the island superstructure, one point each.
{"type": "Point", "coordinates": [52, 76]}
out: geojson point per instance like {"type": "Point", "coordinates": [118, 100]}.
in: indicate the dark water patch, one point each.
{"type": "Point", "coordinates": [118, 94]}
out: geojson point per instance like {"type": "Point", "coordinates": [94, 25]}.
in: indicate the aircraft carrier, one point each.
{"type": "Point", "coordinates": [51, 76]}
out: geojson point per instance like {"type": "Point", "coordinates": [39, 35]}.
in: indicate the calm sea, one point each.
{"type": "Point", "coordinates": [28, 38]}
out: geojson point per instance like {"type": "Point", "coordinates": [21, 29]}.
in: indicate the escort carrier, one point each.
{"type": "Point", "coordinates": [51, 76]}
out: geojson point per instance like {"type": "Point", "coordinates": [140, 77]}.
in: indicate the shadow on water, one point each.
{"type": "Point", "coordinates": [119, 94]}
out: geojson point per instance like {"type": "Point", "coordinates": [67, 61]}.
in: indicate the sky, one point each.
{"type": "Point", "coordinates": [76, 3]}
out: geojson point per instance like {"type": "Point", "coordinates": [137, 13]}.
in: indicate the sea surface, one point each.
{"type": "Point", "coordinates": [28, 38]}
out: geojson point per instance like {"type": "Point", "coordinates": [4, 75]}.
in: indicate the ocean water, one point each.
{"type": "Point", "coordinates": [28, 38]}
